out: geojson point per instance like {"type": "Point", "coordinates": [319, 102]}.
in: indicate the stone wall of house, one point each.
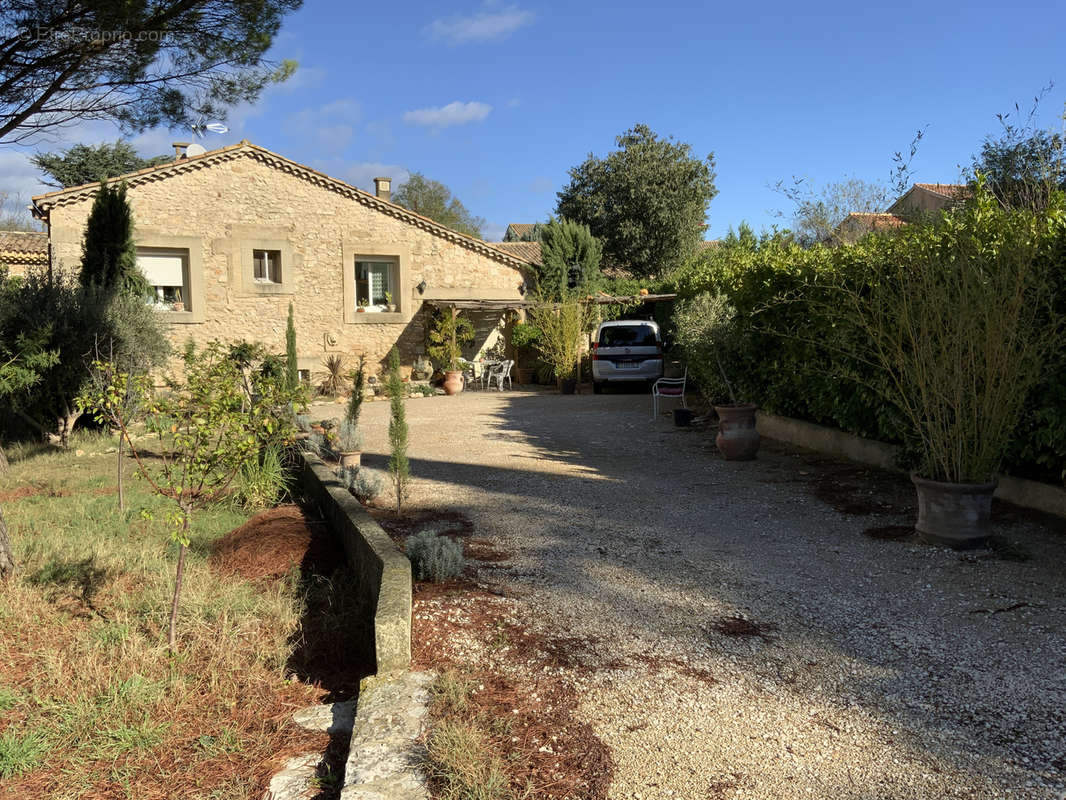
{"type": "Point", "coordinates": [224, 210]}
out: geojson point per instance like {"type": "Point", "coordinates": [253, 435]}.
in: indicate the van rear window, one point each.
{"type": "Point", "coordinates": [628, 336]}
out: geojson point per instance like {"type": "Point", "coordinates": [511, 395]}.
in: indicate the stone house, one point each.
{"type": "Point", "coordinates": [228, 238]}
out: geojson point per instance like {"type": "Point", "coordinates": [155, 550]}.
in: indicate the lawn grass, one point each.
{"type": "Point", "coordinates": [92, 703]}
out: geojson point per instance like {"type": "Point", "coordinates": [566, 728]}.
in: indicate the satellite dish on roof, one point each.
{"type": "Point", "coordinates": [195, 149]}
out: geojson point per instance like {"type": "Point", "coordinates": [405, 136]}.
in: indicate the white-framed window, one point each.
{"type": "Point", "coordinates": [167, 273]}
{"type": "Point", "coordinates": [375, 284]}
{"type": "Point", "coordinates": [266, 266]}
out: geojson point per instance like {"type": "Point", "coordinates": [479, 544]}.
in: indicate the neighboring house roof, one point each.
{"type": "Point", "coordinates": [706, 245]}
{"type": "Point", "coordinates": [928, 197]}
{"type": "Point", "coordinates": [245, 149]}
{"type": "Point", "coordinates": [874, 221]}
{"type": "Point", "coordinates": [947, 189]}
{"type": "Point", "coordinates": [517, 230]}
{"type": "Point", "coordinates": [527, 251]}
{"type": "Point", "coordinates": [23, 247]}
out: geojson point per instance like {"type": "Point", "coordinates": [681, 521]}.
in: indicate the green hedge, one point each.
{"type": "Point", "coordinates": [788, 355]}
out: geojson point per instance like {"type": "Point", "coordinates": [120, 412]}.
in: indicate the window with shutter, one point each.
{"type": "Point", "coordinates": [167, 274]}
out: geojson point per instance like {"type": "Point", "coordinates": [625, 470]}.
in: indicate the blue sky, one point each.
{"type": "Point", "coordinates": [497, 99]}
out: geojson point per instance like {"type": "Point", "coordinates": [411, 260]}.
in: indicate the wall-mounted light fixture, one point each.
{"type": "Point", "coordinates": [422, 287]}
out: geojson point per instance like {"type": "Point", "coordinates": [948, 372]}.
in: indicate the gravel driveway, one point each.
{"type": "Point", "coordinates": [859, 668]}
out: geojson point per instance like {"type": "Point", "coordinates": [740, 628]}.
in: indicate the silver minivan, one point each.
{"type": "Point", "coordinates": [626, 351]}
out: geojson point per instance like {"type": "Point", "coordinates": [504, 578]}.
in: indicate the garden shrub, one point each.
{"type": "Point", "coordinates": [792, 354]}
{"type": "Point", "coordinates": [364, 484]}
{"type": "Point", "coordinates": [434, 557]}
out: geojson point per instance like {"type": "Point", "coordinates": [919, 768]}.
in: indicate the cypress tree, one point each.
{"type": "Point", "coordinates": [109, 254]}
{"type": "Point", "coordinates": [571, 256]}
{"type": "Point", "coordinates": [399, 467]}
{"type": "Point", "coordinates": [292, 371]}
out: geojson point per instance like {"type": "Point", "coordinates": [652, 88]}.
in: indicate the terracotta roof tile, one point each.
{"type": "Point", "coordinates": [876, 221]}
{"type": "Point", "coordinates": [945, 189]}
{"type": "Point", "coordinates": [528, 251]}
{"type": "Point", "coordinates": [28, 242]}
{"type": "Point", "coordinates": [521, 228]}
{"type": "Point", "coordinates": [245, 149]}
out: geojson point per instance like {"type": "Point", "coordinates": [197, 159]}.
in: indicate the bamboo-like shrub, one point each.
{"type": "Point", "coordinates": [958, 315]}
{"type": "Point", "coordinates": [562, 327]}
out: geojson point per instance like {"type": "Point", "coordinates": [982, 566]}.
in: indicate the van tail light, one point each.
{"type": "Point", "coordinates": [595, 357]}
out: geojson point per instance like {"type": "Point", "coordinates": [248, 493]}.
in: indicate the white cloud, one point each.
{"type": "Point", "coordinates": [493, 231]}
{"type": "Point", "coordinates": [484, 26]}
{"type": "Point", "coordinates": [455, 113]}
{"type": "Point", "coordinates": [330, 127]}
{"type": "Point", "coordinates": [362, 175]}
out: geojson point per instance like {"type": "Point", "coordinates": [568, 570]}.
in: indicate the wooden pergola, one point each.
{"type": "Point", "coordinates": [600, 299]}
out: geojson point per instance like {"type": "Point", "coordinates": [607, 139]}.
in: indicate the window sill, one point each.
{"type": "Point", "coordinates": [180, 317]}
{"type": "Point", "coordinates": [268, 287]}
{"type": "Point", "coordinates": [378, 317]}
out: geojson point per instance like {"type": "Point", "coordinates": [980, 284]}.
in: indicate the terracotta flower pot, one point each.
{"type": "Point", "coordinates": [953, 514]}
{"type": "Point", "coordinates": [453, 381]}
{"type": "Point", "coordinates": [352, 458]}
{"type": "Point", "coordinates": [737, 438]}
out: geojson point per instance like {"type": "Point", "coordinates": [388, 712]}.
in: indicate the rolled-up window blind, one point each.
{"type": "Point", "coordinates": [162, 269]}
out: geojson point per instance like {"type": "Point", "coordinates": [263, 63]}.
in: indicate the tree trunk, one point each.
{"type": "Point", "coordinates": [3, 461]}
{"type": "Point", "coordinates": [65, 426]}
{"type": "Point", "coordinates": [7, 558]}
{"type": "Point", "coordinates": [171, 636]}
{"type": "Point", "coordinates": [121, 500]}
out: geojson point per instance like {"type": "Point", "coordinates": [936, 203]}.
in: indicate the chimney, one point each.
{"type": "Point", "coordinates": [383, 188]}
{"type": "Point", "coordinates": [179, 150]}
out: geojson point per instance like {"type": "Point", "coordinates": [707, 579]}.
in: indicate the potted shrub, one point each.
{"type": "Point", "coordinates": [704, 325]}
{"type": "Point", "coordinates": [348, 444]}
{"type": "Point", "coordinates": [524, 338]}
{"type": "Point", "coordinates": [389, 306]}
{"type": "Point", "coordinates": [449, 332]}
{"type": "Point", "coordinates": [562, 327]}
{"type": "Point", "coordinates": [179, 304]}
{"type": "Point", "coordinates": [958, 315]}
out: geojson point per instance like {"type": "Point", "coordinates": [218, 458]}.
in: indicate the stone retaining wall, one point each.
{"type": "Point", "coordinates": [384, 572]}
{"type": "Point", "coordinates": [1028, 494]}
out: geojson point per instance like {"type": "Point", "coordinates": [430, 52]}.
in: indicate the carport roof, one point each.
{"type": "Point", "coordinates": [507, 305]}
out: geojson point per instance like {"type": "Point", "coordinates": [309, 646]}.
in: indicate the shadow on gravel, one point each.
{"type": "Point", "coordinates": [780, 540]}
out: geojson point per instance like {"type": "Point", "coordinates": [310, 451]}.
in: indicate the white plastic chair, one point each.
{"type": "Point", "coordinates": [469, 369]}
{"type": "Point", "coordinates": [668, 387]}
{"type": "Point", "coordinates": [501, 373]}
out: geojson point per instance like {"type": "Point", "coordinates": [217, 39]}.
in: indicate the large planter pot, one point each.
{"type": "Point", "coordinates": [737, 438]}
{"type": "Point", "coordinates": [525, 375]}
{"type": "Point", "coordinates": [953, 514]}
{"type": "Point", "coordinates": [350, 459]}
{"type": "Point", "coordinates": [567, 385]}
{"type": "Point", "coordinates": [453, 382]}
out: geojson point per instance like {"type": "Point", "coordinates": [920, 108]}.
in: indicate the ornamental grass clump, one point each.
{"type": "Point", "coordinates": [959, 316]}
{"type": "Point", "coordinates": [434, 557]}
